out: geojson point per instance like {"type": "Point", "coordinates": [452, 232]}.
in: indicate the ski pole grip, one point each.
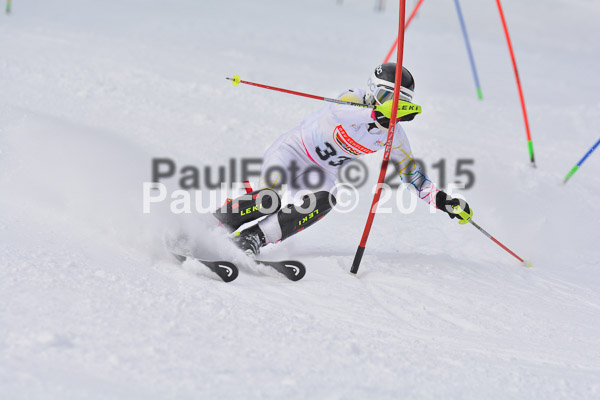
{"type": "Point", "coordinates": [466, 217]}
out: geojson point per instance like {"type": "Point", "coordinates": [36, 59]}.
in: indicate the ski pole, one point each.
{"type": "Point", "coordinates": [469, 51]}
{"type": "Point", "coordinates": [576, 167]}
{"type": "Point", "coordinates": [395, 45]}
{"type": "Point", "coordinates": [467, 218]}
{"type": "Point", "coordinates": [403, 107]}
{"type": "Point", "coordinates": [8, 6]}
{"type": "Point", "coordinates": [514, 62]}
{"type": "Point", "coordinates": [236, 80]}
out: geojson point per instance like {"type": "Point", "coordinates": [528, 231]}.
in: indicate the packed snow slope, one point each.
{"type": "Point", "coordinates": [92, 307]}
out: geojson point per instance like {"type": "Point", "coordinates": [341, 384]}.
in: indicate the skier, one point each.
{"type": "Point", "coordinates": [323, 142]}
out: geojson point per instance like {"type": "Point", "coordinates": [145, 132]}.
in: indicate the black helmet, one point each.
{"type": "Point", "coordinates": [380, 86]}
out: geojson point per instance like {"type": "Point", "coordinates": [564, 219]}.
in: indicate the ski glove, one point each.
{"type": "Point", "coordinates": [455, 208]}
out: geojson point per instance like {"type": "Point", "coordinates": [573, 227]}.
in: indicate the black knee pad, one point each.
{"type": "Point", "coordinates": [248, 207]}
{"type": "Point", "coordinates": [293, 219]}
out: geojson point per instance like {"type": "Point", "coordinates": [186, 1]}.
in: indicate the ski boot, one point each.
{"type": "Point", "coordinates": [250, 240]}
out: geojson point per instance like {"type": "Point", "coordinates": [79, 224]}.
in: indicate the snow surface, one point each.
{"type": "Point", "coordinates": [91, 307]}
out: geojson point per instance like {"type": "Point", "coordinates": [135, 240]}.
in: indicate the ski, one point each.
{"type": "Point", "coordinates": [226, 270]}
{"type": "Point", "coordinates": [293, 270]}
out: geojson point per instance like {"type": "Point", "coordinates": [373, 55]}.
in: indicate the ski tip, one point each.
{"type": "Point", "coordinates": [228, 273]}
{"type": "Point", "coordinates": [293, 270]}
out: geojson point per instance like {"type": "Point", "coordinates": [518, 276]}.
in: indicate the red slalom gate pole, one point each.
{"type": "Point", "coordinates": [388, 144]}
{"type": "Point", "coordinates": [514, 63]}
{"type": "Point", "coordinates": [410, 18]}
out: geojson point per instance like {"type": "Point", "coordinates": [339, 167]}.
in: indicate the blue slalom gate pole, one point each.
{"type": "Point", "coordinates": [469, 51]}
{"type": "Point", "coordinates": [576, 167]}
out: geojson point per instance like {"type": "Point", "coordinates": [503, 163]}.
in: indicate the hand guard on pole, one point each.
{"type": "Point", "coordinates": [455, 208]}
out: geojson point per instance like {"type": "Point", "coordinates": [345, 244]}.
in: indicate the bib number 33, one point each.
{"type": "Point", "coordinates": [329, 151]}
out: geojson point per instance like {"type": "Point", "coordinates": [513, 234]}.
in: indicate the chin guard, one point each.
{"type": "Point", "coordinates": [405, 109]}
